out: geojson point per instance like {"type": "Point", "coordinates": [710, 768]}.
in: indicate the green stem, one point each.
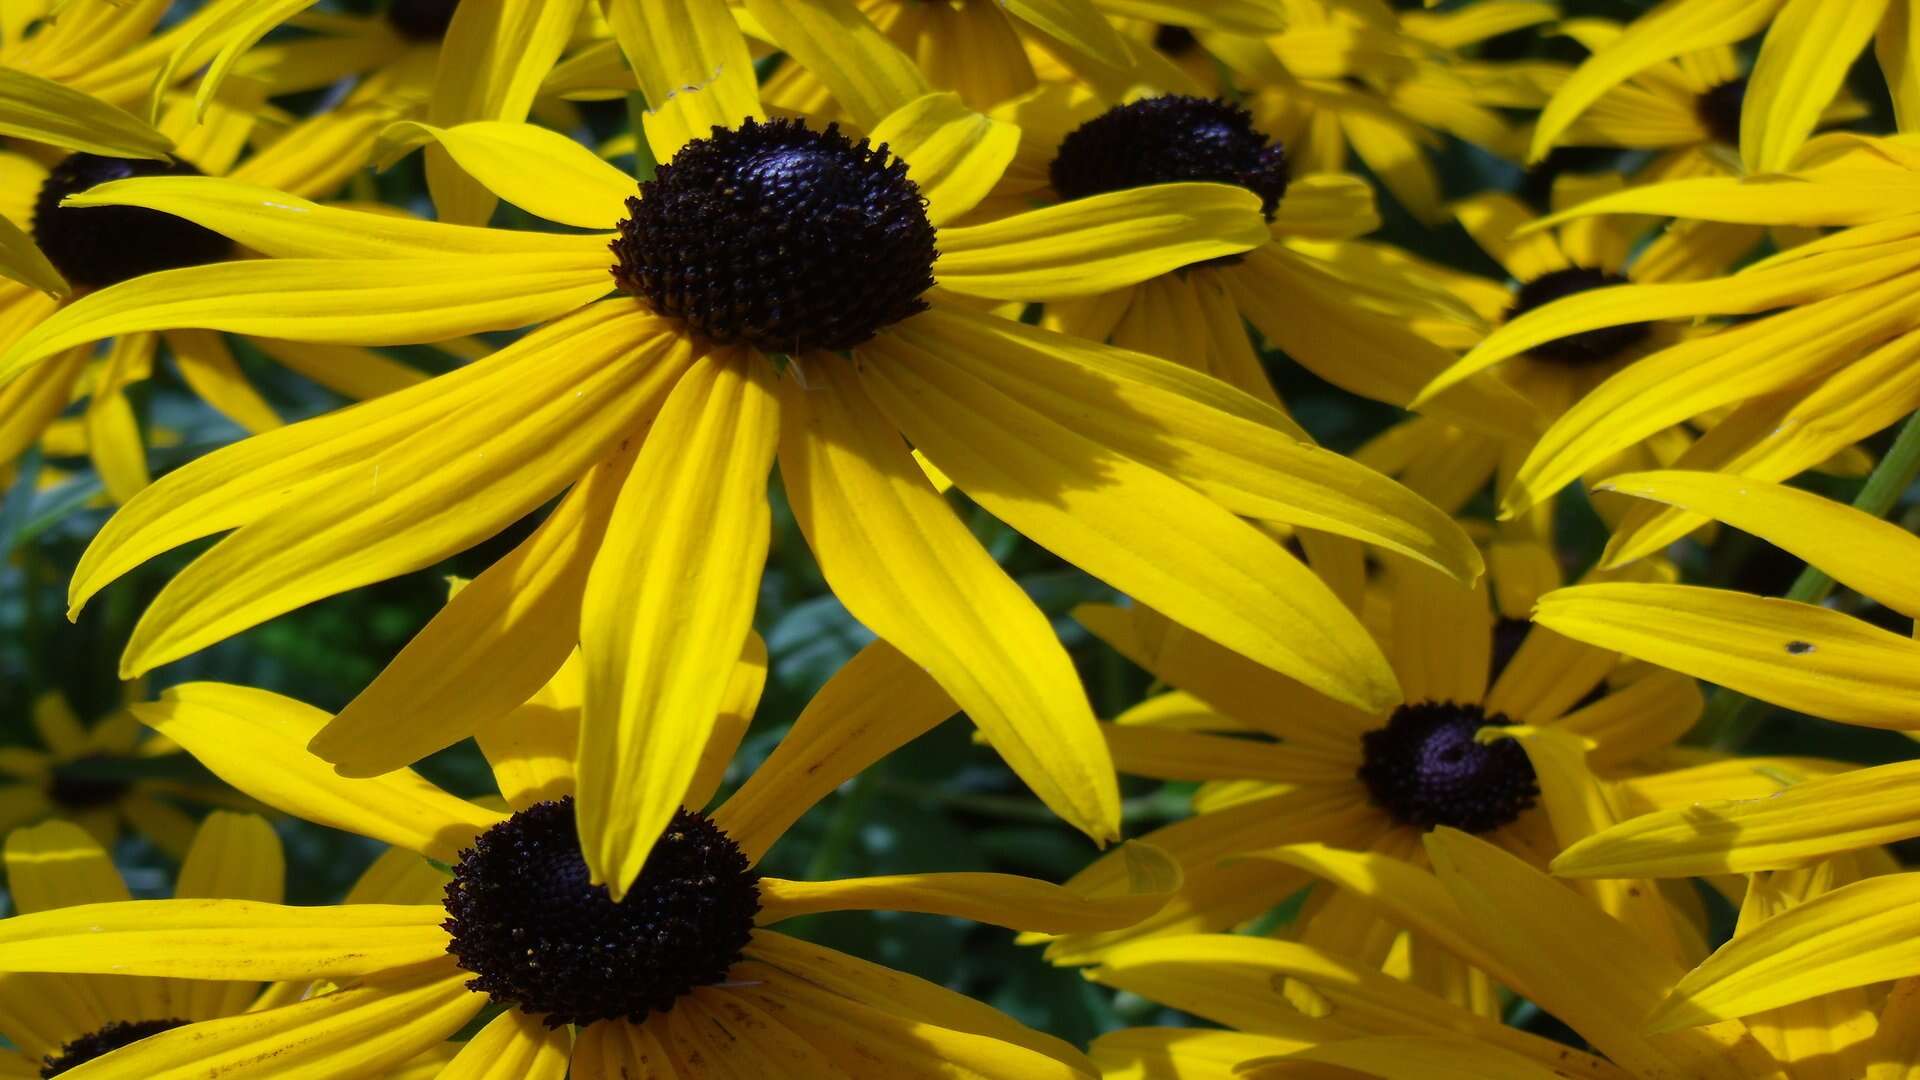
{"type": "Point", "coordinates": [1731, 717]}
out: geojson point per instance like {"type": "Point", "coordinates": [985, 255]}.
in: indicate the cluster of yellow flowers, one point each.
{"type": "Point", "coordinates": [1461, 806]}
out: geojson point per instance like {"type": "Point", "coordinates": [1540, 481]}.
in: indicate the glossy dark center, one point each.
{"type": "Point", "coordinates": [538, 936]}
{"type": "Point", "coordinates": [1425, 768]}
{"type": "Point", "coordinates": [781, 237]}
{"type": "Point", "coordinates": [84, 784]}
{"type": "Point", "coordinates": [97, 246]}
{"type": "Point", "coordinates": [1588, 347]}
{"type": "Point", "coordinates": [1170, 139]}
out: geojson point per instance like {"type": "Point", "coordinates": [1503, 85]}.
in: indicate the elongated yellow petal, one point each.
{"type": "Point", "coordinates": [493, 59]}
{"type": "Point", "coordinates": [1580, 964]}
{"type": "Point", "coordinates": [228, 31]}
{"type": "Point", "coordinates": [1834, 197]}
{"type": "Point", "coordinates": [1133, 526]}
{"type": "Point", "coordinates": [737, 707]}
{"type": "Point", "coordinates": [1184, 1052]}
{"type": "Point", "coordinates": [688, 54]}
{"type": "Point", "coordinates": [1391, 1057]}
{"type": "Point", "coordinates": [907, 567]}
{"type": "Point", "coordinates": [836, 44]}
{"type": "Point", "coordinates": [363, 1030]}
{"type": "Point", "coordinates": [1802, 64]}
{"type": "Point", "coordinates": [1495, 220]}
{"type": "Point", "coordinates": [351, 302]}
{"type": "Point", "coordinates": [1856, 935]}
{"type": "Point", "coordinates": [223, 939]}
{"type": "Point", "coordinates": [1077, 24]}
{"type": "Point", "coordinates": [954, 155]}
{"type": "Point", "coordinates": [1099, 243]}
{"type": "Point", "coordinates": [1793, 827]}
{"type": "Point", "coordinates": [22, 260]}
{"type": "Point", "coordinates": [255, 740]}
{"type": "Point", "coordinates": [45, 111]}
{"type": "Point", "coordinates": [1707, 373]}
{"type": "Point", "coordinates": [531, 750]}
{"type": "Point", "coordinates": [996, 899]}
{"type": "Point", "coordinates": [539, 171]}
{"type": "Point", "coordinates": [1247, 455]}
{"type": "Point", "coordinates": [513, 1046]}
{"type": "Point", "coordinates": [286, 226]}
{"type": "Point", "coordinates": [1857, 549]}
{"type": "Point", "coordinates": [208, 366]}
{"type": "Point", "coordinates": [495, 643]}
{"type": "Point", "coordinates": [1675, 27]}
{"type": "Point", "coordinates": [669, 602]}
{"type": "Point", "coordinates": [877, 702]}
{"type": "Point", "coordinates": [233, 857]}
{"type": "Point", "coordinates": [1797, 655]}
{"type": "Point", "coordinates": [1141, 749]}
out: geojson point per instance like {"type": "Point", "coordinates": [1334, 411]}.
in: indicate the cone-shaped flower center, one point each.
{"type": "Point", "coordinates": [1587, 347]}
{"type": "Point", "coordinates": [1169, 139]}
{"type": "Point", "coordinates": [103, 1042]}
{"type": "Point", "coordinates": [537, 935]}
{"type": "Point", "coordinates": [424, 21]}
{"type": "Point", "coordinates": [97, 246]}
{"type": "Point", "coordinates": [1719, 110]}
{"type": "Point", "coordinates": [779, 236]}
{"type": "Point", "coordinates": [1425, 768]}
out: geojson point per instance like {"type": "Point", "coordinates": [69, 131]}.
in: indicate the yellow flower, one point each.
{"type": "Point", "coordinates": [1562, 951]}
{"type": "Point", "coordinates": [1800, 386]}
{"type": "Point", "coordinates": [1802, 65]}
{"type": "Point", "coordinates": [58, 1022]}
{"type": "Point", "coordinates": [91, 776]}
{"type": "Point", "coordinates": [1376, 780]}
{"type": "Point", "coordinates": [684, 972]}
{"type": "Point", "coordinates": [671, 405]}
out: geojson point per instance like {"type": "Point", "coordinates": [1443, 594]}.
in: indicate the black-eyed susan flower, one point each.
{"type": "Point", "coordinates": [755, 261]}
{"type": "Point", "coordinates": [683, 973]}
{"type": "Point", "coordinates": [1828, 366]}
{"type": "Point", "coordinates": [1280, 764]}
{"type": "Point", "coordinates": [94, 248]}
{"type": "Point", "coordinates": [59, 1022]}
{"type": "Point", "coordinates": [1802, 65]}
{"type": "Point", "coordinates": [1328, 303]}
{"type": "Point", "coordinates": [92, 777]}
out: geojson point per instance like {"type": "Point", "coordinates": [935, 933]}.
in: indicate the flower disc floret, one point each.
{"type": "Point", "coordinates": [781, 237]}
{"type": "Point", "coordinates": [1170, 139]}
{"type": "Point", "coordinates": [97, 246]}
{"type": "Point", "coordinates": [1425, 768]}
{"type": "Point", "coordinates": [1588, 347]}
{"type": "Point", "coordinates": [102, 1042]}
{"type": "Point", "coordinates": [525, 919]}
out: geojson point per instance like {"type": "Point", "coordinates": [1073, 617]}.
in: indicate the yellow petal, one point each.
{"type": "Point", "coordinates": [360, 1031]}
{"type": "Point", "coordinates": [1856, 935]}
{"type": "Point", "coordinates": [353, 302]}
{"type": "Point", "coordinates": [877, 702]}
{"type": "Point", "coordinates": [1493, 220]}
{"type": "Point", "coordinates": [224, 34]}
{"type": "Point", "coordinates": [836, 44]}
{"type": "Point", "coordinates": [1793, 827]}
{"type": "Point", "coordinates": [1800, 656]}
{"type": "Point", "coordinates": [1099, 243]}
{"type": "Point", "coordinates": [1247, 455]}
{"type": "Point", "coordinates": [1182, 1053]}
{"type": "Point", "coordinates": [492, 61]}
{"type": "Point", "coordinates": [1399, 1056]}
{"type": "Point", "coordinates": [285, 226]}
{"type": "Point", "coordinates": [42, 110]}
{"type": "Point", "coordinates": [496, 642]}
{"type": "Point", "coordinates": [587, 384]}
{"type": "Point", "coordinates": [906, 566]}
{"type": "Point", "coordinates": [55, 864]}
{"type": "Point", "coordinates": [513, 1046]}
{"type": "Point", "coordinates": [539, 171]}
{"type": "Point", "coordinates": [954, 155]}
{"type": "Point", "coordinates": [1856, 549]}
{"type": "Point", "coordinates": [208, 366]}
{"type": "Point", "coordinates": [531, 750]}
{"type": "Point", "coordinates": [1676, 27]}
{"type": "Point", "coordinates": [22, 260]}
{"type": "Point", "coordinates": [1128, 524]}
{"type": "Point", "coordinates": [1076, 24]}
{"type": "Point", "coordinates": [669, 602]}
{"type": "Point", "coordinates": [1008, 900]}
{"type": "Point", "coordinates": [737, 707]}
{"type": "Point", "coordinates": [233, 857]}
{"type": "Point", "coordinates": [1579, 964]}
{"type": "Point", "coordinates": [1802, 63]}
{"type": "Point", "coordinates": [223, 939]}
{"type": "Point", "coordinates": [690, 54]}
{"type": "Point", "coordinates": [256, 741]}
{"type": "Point", "coordinates": [1442, 639]}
